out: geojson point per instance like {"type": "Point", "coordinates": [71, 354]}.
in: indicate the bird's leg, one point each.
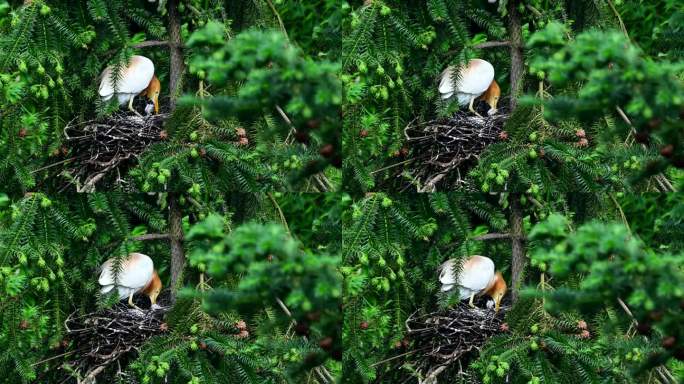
{"type": "Point", "coordinates": [130, 106]}
{"type": "Point", "coordinates": [470, 107]}
{"type": "Point", "coordinates": [470, 302]}
{"type": "Point", "coordinates": [130, 302]}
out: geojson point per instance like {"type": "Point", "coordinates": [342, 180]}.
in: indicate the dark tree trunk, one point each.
{"type": "Point", "coordinates": [517, 60]}
{"type": "Point", "coordinates": [177, 66]}
{"type": "Point", "coordinates": [176, 242]}
{"type": "Point", "coordinates": [518, 255]}
{"type": "Point", "coordinates": [176, 69]}
{"type": "Point", "coordinates": [518, 252]}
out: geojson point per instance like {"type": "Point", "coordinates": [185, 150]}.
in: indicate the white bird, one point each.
{"type": "Point", "coordinates": [474, 80]}
{"type": "Point", "coordinates": [137, 275]}
{"type": "Point", "coordinates": [137, 79]}
{"type": "Point", "coordinates": [476, 277]}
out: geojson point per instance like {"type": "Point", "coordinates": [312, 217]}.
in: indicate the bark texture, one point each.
{"type": "Point", "coordinates": [177, 66]}
{"type": "Point", "coordinates": [517, 60]}
{"type": "Point", "coordinates": [176, 242]}
{"type": "Point", "coordinates": [518, 252]}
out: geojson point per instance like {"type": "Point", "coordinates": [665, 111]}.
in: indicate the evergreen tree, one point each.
{"type": "Point", "coordinates": [394, 52]}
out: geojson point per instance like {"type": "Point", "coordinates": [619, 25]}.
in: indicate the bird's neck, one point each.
{"type": "Point", "coordinates": [491, 287]}
{"type": "Point", "coordinates": [152, 284]}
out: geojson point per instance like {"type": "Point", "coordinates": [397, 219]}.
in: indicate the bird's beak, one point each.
{"type": "Point", "coordinates": [497, 302]}
{"type": "Point", "coordinates": [155, 100]}
{"type": "Point", "coordinates": [153, 297]}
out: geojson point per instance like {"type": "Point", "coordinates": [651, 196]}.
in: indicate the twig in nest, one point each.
{"type": "Point", "coordinates": [106, 336]}
{"type": "Point", "coordinates": [99, 146]}
{"type": "Point", "coordinates": [455, 143]}
{"type": "Point", "coordinates": [449, 338]}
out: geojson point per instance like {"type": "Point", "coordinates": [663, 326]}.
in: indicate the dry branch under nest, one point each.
{"type": "Point", "coordinates": [451, 144]}
{"type": "Point", "coordinates": [103, 337]}
{"type": "Point", "coordinates": [99, 146]}
{"type": "Point", "coordinates": [446, 339]}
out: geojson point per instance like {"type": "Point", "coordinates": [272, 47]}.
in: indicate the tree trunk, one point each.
{"type": "Point", "coordinates": [517, 60]}
{"type": "Point", "coordinates": [177, 66]}
{"type": "Point", "coordinates": [518, 255]}
{"type": "Point", "coordinates": [176, 242]}
{"type": "Point", "coordinates": [176, 69]}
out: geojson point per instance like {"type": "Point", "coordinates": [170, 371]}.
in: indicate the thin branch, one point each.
{"type": "Point", "coordinates": [617, 14]}
{"type": "Point", "coordinates": [54, 357]}
{"type": "Point", "coordinates": [90, 378]}
{"type": "Point", "coordinates": [533, 10]}
{"type": "Point", "coordinates": [151, 236]}
{"type": "Point", "coordinates": [622, 213]}
{"type": "Point", "coordinates": [280, 21]}
{"type": "Point", "coordinates": [52, 165]}
{"type": "Point", "coordinates": [660, 178]}
{"type": "Point", "coordinates": [150, 43]}
{"type": "Point", "coordinates": [493, 236]}
{"type": "Point", "coordinates": [280, 212]}
{"type": "Point", "coordinates": [397, 356]}
{"type": "Point", "coordinates": [492, 44]}
{"type": "Point", "coordinates": [392, 166]}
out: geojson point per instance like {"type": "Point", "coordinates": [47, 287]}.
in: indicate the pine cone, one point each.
{"type": "Point", "coordinates": [326, 343]}
{"type": "Point", "coordinates": [327, 150]}
{"type": "Point", "coordinates": [669, 342]}
{"type": "Point", "coordinates": [667, 150]}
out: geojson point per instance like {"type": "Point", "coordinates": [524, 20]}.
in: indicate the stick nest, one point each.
{"type": "Point", "coordinates": [104, 337]}
{"type": "Point", "coordinates": [449, 339]}
{"type": "Point", "coordinates": [102, 145]}
{"type": "Point", "coordinates": [442, 146]}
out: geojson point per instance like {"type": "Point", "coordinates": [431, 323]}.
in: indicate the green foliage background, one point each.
{"type": "Point", "coordinates": [54, 51]}
{"type": "Point", "coordinates": [584, 256]}
{"type": "Point", "coordinates": [324, 281]}
{"type": "Point", "coordinates": [394, 51]}
{"type": "Point", "coordinates": [49, 271]}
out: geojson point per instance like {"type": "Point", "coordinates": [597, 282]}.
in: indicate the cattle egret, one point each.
{"type": "Point", "coordinates": [473, 81]}
{"type": "Point", "coordinates": [476, 277]}
{"type": "Point", "coordinates": [137, 79]}
{"type": "Point", "coordinates": [137, 275]}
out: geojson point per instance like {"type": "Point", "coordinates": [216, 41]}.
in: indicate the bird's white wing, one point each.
{"type": "Point", "coordinates": [136, 272]}
{"type": "Point", "coordinates": [106, 89]}
{"type": "Point", "coordinates": [476, 274]}
{"type": "Point", "coordinates": [134, 78]}
{"type": "Point", "coordinates": [447, 275]}
{"type": "Point", "coordinates": [476, 77]}
{"type": "Point", "coordinates": [446, 83]}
